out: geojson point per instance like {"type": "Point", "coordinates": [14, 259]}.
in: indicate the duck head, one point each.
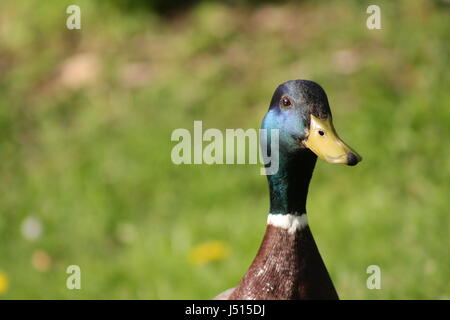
{"type": "Point", "coordinates": [299, 109]}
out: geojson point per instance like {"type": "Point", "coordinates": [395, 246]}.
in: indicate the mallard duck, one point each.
{"type": "Point", "coordinates": [288, 264]}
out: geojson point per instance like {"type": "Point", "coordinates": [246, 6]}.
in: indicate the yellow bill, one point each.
{"type": "Point", "coordinates": [326, 144]}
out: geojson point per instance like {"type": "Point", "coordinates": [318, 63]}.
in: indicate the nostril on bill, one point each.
{"type": "Point", "coordinates": [352, 159]}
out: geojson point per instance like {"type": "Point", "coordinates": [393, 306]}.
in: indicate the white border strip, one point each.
{"type": "Point", "coordinates": [290, 222]}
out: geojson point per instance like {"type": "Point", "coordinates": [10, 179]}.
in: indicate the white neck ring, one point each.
{"type": "Point", "coordinates": [289, 222]}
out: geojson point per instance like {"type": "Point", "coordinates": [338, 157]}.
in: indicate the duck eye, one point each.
{"type": "Point", "coordinates": [321, 132]}
{"type": "Point", "coordinates": [285, 102]}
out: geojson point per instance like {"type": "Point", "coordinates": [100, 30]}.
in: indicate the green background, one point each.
{"type": "Point", "coordinates": [86, 118]}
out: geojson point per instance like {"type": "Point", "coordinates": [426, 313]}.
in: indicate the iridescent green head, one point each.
{"type": "Point", "coordinates": [299, 109]}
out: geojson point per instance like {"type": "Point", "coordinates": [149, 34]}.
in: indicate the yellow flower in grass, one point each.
{"type": "Point", "coordinates": [4, 282]}
{"type": "Point", "coordinates": [209, 251]}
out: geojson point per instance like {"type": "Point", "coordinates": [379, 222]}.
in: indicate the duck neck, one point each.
{"type": "Point", "coordinates": [289, 186]}
{"type": "Point", "coordinates": [288, 264]}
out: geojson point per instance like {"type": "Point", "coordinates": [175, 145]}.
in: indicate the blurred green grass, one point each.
{"type": "Point", "coordinates": [85, 124]}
